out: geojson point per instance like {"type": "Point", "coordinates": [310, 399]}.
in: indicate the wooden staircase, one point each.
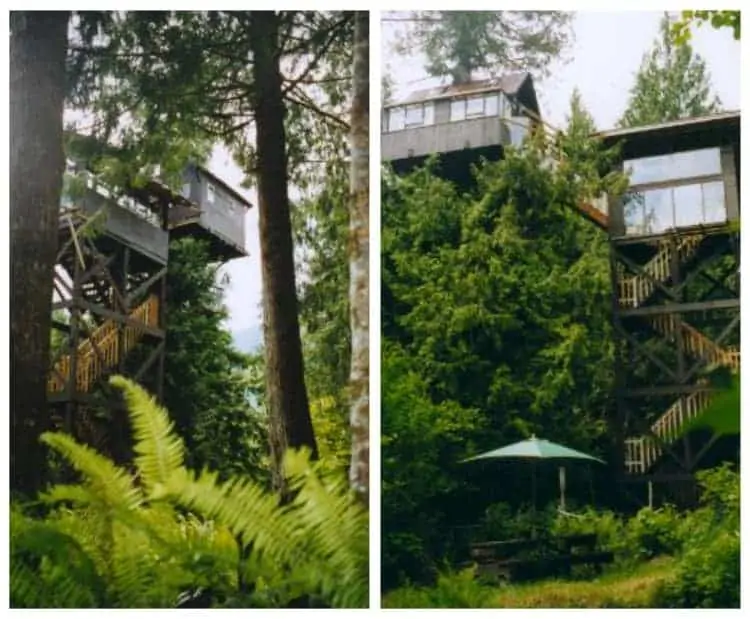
{"type": "Point", "coordinates": [90, 364]}
{"type": "Point", "coordinates": [634, 291]}
{"type": "Point", "coordinates": [643, 452]}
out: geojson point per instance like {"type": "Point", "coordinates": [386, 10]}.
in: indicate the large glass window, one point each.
{"type": "Point", "coordinates": [714, 203]}
{"type": "Point", "coordinates": [676, 166]}
{"type": "Point", "coordinates": [658, 213]}
{"type": "Point", "coordinates": [652, 211]}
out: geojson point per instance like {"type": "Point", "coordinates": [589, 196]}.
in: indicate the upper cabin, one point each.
{"type": "Point", "coordinates": [222, 213]}
{"type": "Point", "coordinates": [207, 208]}
{"type": "Point", "coordinates": [480, 116]}
{"type": "Point", "coordinates": [683, 174]}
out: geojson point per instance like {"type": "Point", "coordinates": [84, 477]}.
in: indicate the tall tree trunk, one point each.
{"type": "Point", "coordinates": [289, 410]}
{"type": "Point", "coordinates": [359, 263]}
{"type": "Point", "coordinates": [38, 45]}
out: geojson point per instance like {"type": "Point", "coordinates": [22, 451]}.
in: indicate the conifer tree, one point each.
{"type": "Point", "coordinates": [672, 83]}
{"type": "Point", "coordinates": [460, 43]}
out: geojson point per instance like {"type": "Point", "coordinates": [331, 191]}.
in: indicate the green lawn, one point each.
{"type": "Point", "coordinates": [625, 588]}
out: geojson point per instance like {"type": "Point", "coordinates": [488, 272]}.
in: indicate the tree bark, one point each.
{"type": "Point", "coordinates": [288, 407]}
{"type": "Point", "coordinates": [38, 45]}
{"type": "Point", "coordinates": [359, 263]}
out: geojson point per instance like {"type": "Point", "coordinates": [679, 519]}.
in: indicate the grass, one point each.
{"type": "Point", "coordinates": [634, 588]}
{"type": "Point", "coordinates": [624, 588]}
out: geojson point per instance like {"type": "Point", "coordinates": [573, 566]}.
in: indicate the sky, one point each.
{"type": "Point", "coordinates": [605, 57]}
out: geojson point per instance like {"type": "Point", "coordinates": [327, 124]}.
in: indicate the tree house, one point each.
{"type": "Point", "coordinates": [674, 239]}
{"type": "Point", "coordinates": [460, 123]}
{"type": "Point", "coordinates": [110, 286]}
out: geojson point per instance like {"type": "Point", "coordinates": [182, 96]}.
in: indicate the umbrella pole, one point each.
{"type": "Point", "coordinates": [562, 488]}
{"type": "Point", "coordinates": [533, 498]}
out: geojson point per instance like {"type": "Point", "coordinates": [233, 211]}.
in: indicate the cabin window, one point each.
{"type": "Point", "coordinates": [655, 210]}
{"type": "Point", "coordinates": [490, 105]}
{"type": "Point", "coordinates": [429, 113]}
{"type": "Point", "coordinates": [458, 109]}
{"type": "Point", "coordinates": [186, 190]}
{"type": "Point", "coordinates": [675, 166]}
{"type": "Point", "coordinates": [474, 107]}
{"type": "Point", "coordinates": [414, 115]}
{"type": "Point", "coordinates": [210, 193]}
{"type": "Point", "coordinates": [675, 190]}
{"type": "Point", "coordinates": [396, 119]}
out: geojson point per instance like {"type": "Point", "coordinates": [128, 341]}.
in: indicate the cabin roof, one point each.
{"type": "Point", "coordinates": [510, 84]}
{"type": "Point", "coordinates": [225, 186]}
{"type": "Point", "coordinates": [675, 135]}
{"type": "Point", "coordinates": [685, 123]}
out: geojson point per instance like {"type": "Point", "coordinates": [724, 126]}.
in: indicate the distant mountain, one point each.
{"type": "Point", "coordinates": [248, 340]}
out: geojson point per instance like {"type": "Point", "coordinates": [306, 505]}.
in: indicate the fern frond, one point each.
{"type": "Point", "coordinates": [50, 569]}
{"type": "Point", "coordinates": [109, 483]}
{"type": "Point", "coordinates": [335, 525]}
{"type": "Point", "coordinates": [160, 452]}
{"type": "Point", "coordinates": [247, 509]}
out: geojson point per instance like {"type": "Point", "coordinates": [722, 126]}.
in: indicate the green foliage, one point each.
{"type": "Point", "coordinates": [722, 415]}
{"type": "Point", "coordinates": [166, 86]}
{"type": "Point", "coordinates": [654, 532]}
{"type": "Point", "coordinates": [321, 225]}
{"type": "Point", "coordinates": [708, 576]}
{"type": "Point", "coordinates": [119, 539]}
{"type": "Point", "coordinates": [422, 443]}
{"type": "Point", "coordinates": [496, 300]}
{"type": "Point", "coordinates": [501, 521]}
{"type": "Point", "coordinates": [672, 83]}
{"type": "Point", "coordinates": [608, 527]}
{"type": "Point", "coordinates": [452, 590]}
{"type": "Point", "coordinates": [459, 43]}
{"type": "Point", "coordinates": [205, 377]}
{"type": "Point", "coordinates": [648, 534]}
{"type": "Point", "coordinates": [681, 29]}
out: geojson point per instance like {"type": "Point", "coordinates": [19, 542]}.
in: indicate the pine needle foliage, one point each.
{"type": "Point", "coordinates": [160, 534]}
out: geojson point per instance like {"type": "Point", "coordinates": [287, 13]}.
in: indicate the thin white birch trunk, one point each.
{"type": "Point", "coordinates": [359, 261]}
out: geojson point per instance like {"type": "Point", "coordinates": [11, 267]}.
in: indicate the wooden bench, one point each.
{"type": "Point", "coordinates": [557, 556]}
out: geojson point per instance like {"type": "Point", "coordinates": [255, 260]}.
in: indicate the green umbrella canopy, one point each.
{"type": "Point", "coordinates": [535, 448]}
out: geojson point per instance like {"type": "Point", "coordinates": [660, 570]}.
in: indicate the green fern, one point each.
{"type": "Point", "coordinates": [140, 540]}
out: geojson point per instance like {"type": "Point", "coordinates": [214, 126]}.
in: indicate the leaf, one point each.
{"type": "Point", "coordinates": [723, 413]}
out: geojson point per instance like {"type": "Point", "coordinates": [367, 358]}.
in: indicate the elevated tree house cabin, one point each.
{"type": "Point", "coordinates": [674, 239]}
{"type": "Point", "coordinates": [110, 285]}
{"type": "Point", "coordinates": [674, 243]}
{"type": "Point", "coordinates": [459, 123]}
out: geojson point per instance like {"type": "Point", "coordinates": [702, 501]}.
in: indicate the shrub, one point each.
{"type": "Point", "coordinates": [653, 532]}
{"type": "Point", "coordinates": [501, 522]}
{"type": "Point", "coordinates": [609, 528]}
{"type": "Point", "coordinates": [708, 576]}
{"type": "Point", "coordinates": [452, 590]}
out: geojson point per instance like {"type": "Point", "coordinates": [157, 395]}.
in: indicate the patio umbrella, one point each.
{"type": "Point", "coordinates": [535, 449]}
